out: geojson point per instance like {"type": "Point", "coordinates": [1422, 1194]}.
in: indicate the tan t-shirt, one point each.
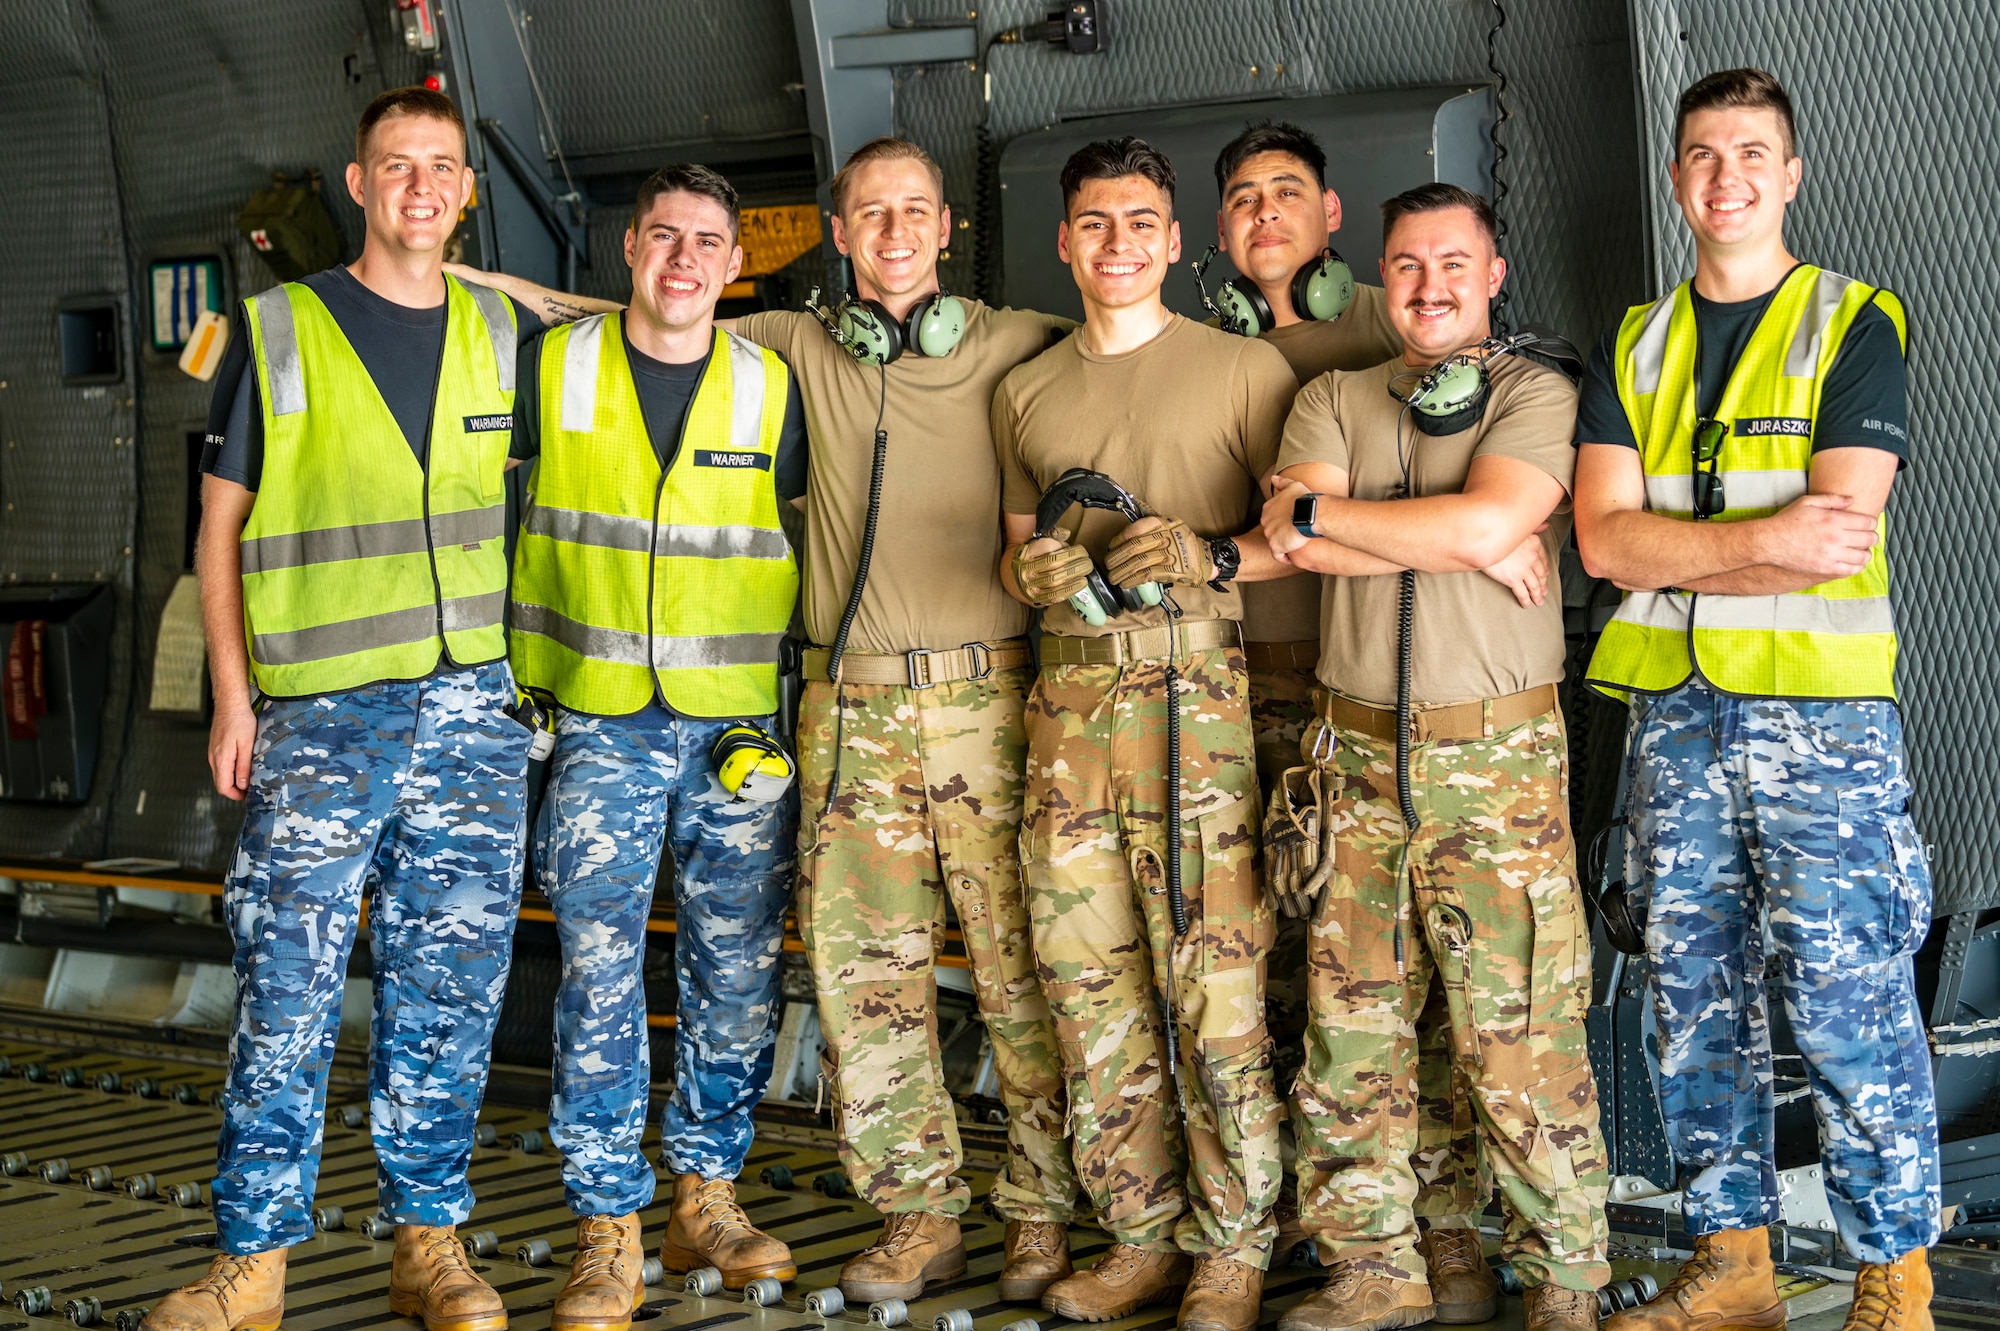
{"type": "Point", "coordinates": [934, 580]}
{"type": "Point", "coordinates": [1472, 639]}
{"type": "Point", "coordinates": [1287, 609]}
{"type": "Point", "coordinates": [1187, 423]}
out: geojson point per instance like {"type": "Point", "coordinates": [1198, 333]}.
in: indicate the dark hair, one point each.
{"type": "Point", "coordinates": [687, 178]}
{"type": "Point", "coordinates": [1436, 197]}
{"type": "Point", "coordinates": [888, 148]}
{"type": "Point", "coordinates": [1270, 136]}
{"type": "Point", "coordinates": [405, 102]}
{"type": "Point", "coordinates": [1738, 87]}
{"type": "Point", "coordinates": [1112, 159]}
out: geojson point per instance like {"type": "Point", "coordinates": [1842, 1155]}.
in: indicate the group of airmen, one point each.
{"type": "Point", "coordinates": [1267, 824]}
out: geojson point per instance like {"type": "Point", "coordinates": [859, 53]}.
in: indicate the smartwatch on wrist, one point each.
{"type": "Point", "coordinates": [1222, 552]}
{"type": "Point", "coordinates": [1305, 509]}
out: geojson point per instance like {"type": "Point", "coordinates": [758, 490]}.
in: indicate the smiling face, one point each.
{"type": "Point", "coordinates": [1119, 240]}
{"type": "Point", "coordinates": [1733, 177]}
{"type": "Point", "coordinates": [411, 182]}
{"type": "Point", "coordinates": [682, 255]}
{"type": "Point", "coordinates": [1439, 274]}
{"type": "Point", "coordinates": [892, 225]}
{"type": "Point", "coordinates": [1275, 219]}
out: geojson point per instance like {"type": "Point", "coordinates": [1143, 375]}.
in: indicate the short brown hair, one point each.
{"type": "Point", "coordinates": [688, 178]}
{"type": "Point", "coordinates": [1434, 198]}
{"type": "Point", "coordinates": [1739, 87]}
{"type": "Point", "coordinates": [405, 102]}
{"type": "Point", "coordinates": [1114, 159]}
{"type": "Point", "coordinates": [888, 148]}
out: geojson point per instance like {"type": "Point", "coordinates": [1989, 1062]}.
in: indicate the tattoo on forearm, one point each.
{"type": "Point", "coordinates": [563, 311]}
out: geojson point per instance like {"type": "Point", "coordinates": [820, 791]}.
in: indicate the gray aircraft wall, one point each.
{"type": "Point", "coordinates": [1897, 121]}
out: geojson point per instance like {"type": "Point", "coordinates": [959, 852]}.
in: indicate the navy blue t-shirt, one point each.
{"type": "Point", "coordinates": [1864, 402]}
{"type": "Point", "coordinates": [400, 347]}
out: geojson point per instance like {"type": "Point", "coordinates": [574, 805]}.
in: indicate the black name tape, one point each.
{"type": "Point", "coordinates": [707, 457]}
{"type": "Point", "coordinates": [484, 424]}
{"type": "Point", "coordinates": [1748, 427]}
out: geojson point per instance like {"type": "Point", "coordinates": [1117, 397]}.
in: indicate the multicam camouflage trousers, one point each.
{"type": "Point", "coordinates": [1280, 709]}
{"type": "Point", "coordinates": [411, 792]}
{"type": "Point", "coordinates": [1094, 846]}
{"type": "Point", "coordinates": [1746, 812]}
{"type": "Point", "coordinates": [1474, 924]}
{"type": "Point", "coordinates": [929, 802]}
{"type": "Point", "coordinates": [620, 789]}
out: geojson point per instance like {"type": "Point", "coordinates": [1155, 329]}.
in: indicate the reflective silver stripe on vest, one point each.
{"type": "Point", "coordinates": [627, 533]}
{"type": "Point", "coordinates": [371, 540]}
{"type": "Point", "coordinates": [1649, 353]}
{"type": "Point", "coordinates": [622, 648]}
{"type": "Point", "coordinates": [746, 406]}
{"type": "Point", "coordinates": [579, 398]}
{"type": "Point", "coordinates": [281, 351]}
{"type": "Point", "coordinates": [1740, 489]}
{"type": "Point", "coordinates": [600, 529]}
{"type": "Point", "coordinates": [394, 629]}
{"type": "Point", "coordinates": [1777, 614]}
{"type": "Point", "coordinates": [737, 542]}
{"type": "Point", "coordinates": [1802, 361]}
{"type": "Point", "coordinates": [493, 309]}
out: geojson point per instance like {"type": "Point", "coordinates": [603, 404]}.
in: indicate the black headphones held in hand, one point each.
{"type": "Point", "coordinates": [1100, 598]}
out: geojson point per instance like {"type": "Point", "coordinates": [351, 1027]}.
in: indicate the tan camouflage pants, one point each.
{"type": "Point", "coordinates": [929, 802]}
{"type": "Point", "coordinates": [1492, 937]}
{"type": "Point", "coordinates": [1094, 850]}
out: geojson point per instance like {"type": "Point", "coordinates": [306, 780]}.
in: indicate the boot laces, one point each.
{"type": "Point", "coordinates": [1696, 1271]}
{"type": "Point", "coordinates": [900, 1231]}
{"type": "Point", "coordinates": [715, 1201]}
{"type": "Point", "coordinates": [1035, 1237]}
{"type": "Point", "coordinates": [1120, 1261]}
{"type": "Point", "coordinates": [1221, 1275]}
{"type": "Point", "coordinates": [1878, 1297]}
{"type": "Point", "coordinates": [224, 1275]}
{"type": "Point", "coordinates": [445, 1255]}
{"type": "Point", "coordinates": [1457, 1250]}
{"type": "Point", "coordinates": [1559, 1299]}
{"type": "Point", "coordinates": [600, 1249]}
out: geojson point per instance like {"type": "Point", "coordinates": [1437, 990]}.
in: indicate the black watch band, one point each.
{"type": "Point", "coordinates": [1227, 558]}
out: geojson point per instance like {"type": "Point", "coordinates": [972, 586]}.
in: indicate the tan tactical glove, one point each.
{"type": "Point", "coordinates": [1051, 576]}
{"type": "Point", "coordinates": [1162, 550]}
{"type": "Point", "coordinates": [1292, 842]}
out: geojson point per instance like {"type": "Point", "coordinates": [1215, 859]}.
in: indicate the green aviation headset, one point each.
{"type": "Point", "coordinates": [1452, 395]}
{"type": "Point", "coordinates": [1321, 291]}
{"type": "Point", "coordinates": [867, 331]}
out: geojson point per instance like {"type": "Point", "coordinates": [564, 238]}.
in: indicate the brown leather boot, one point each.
{"type": "Point", "coordinates": [604, 1287]}
{"type": "Point", "coordinates": [1463, 1286]}
{"type": "Point", "coordinates": [1728, 1285]}
{"type": "Point", "coordinates": [1893, 1297]}
{"type": "Point", "coordinates": [1124, 1280]}
{"type": "Point", "coordinates": [430, 1278]}
{"type": "Point", "coordinates": [1222, 1295]}
{"type": "Point", "coordinates": [1037, 1255]}
{"type": "Point", "coordinates": [708, 1228]}
{"type": "Point", "coordinates": [1361, 1299]}
{"type": "Point", "coordinates": [237, 1294]}
{"type": "Point", "coordinates": [1553, 1308]}
{"type": "Point", "coordinates": [915, 1248]}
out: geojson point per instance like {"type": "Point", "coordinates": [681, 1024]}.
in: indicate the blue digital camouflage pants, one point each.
{"type": "Point", "coordinates": [1748, 811]}
{"type": "Point", "coordinates": [620, 787]}
{"type": "Point", "coordinates": [409, 794]}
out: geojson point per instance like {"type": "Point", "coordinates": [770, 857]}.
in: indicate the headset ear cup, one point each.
{"type": "Point", "coordinates": [874, 336]}
{"type": "Point", "coordinates": [1106, 595]}
{"type": "Point", "coordinates": [1456, 404]}
{"type": "Point", "coordinates": [1324, 288]}
{"type": "Point", "coordinates": [1241, 301]}
{"type": "Point", "coordinates": [935, 325]}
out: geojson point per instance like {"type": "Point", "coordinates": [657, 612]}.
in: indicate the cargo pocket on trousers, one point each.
{"type": "Point", "coordinates": [1565, 1155]}
{"type": "Point", "coordinates": [977, 927]}
{"type": "Point", "coordinates": [826, 1099]}
{"type": "Point", "coordinates": [1882, 899]}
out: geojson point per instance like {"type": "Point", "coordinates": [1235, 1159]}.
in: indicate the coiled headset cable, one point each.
{"type": "Point", "coordinates": [1176, 899]}
{"type": "Point", "coordinates": [861, 563]}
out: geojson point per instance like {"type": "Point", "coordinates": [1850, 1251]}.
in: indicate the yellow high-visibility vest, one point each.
{"type": "Point", "coordinates": [1833, 640]}
{"type": "Point", "coordinates": [629, 582]}
{"type": "Point", "coordinates": [359, 563]}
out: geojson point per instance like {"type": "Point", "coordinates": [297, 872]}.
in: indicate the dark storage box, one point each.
{"type": "Point", "coordinates": [55, 649]}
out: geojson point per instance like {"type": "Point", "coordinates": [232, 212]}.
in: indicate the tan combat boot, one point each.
{"type": "Point", "coordinates": [1361, 1299]}
{"type": "Point", "coordinates": [1222, 1295]}
{"type": "Point", "coordinates": [1893, 1297]}
{"type": "Point", "coordinates": [1124, 1280]}
{"type": "Point", "coordinates": [1037, 1255]}
{"type": "Point", "coordinates": [237, 1294]}
{"type": "Point", "coordinates": [1728, 1285]}
{"type": "Point", "coordinates": [708, 1228]}
{"type": "Point", "coordinates": [605, 1286]}
{"type": "Point", "coordinates": [1553, 1308]}
{"type": "Point", "coordinates": [1463, 1286]}
{"type": "Point", "coordinates": [430, 1278]}
{"type": "Point", "coordinates": [915, 1248]}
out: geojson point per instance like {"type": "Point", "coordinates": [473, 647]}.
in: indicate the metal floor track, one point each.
{"type": "Point", "coordinates": [68, 1224]}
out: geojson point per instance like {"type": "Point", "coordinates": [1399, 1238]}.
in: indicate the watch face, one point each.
{"type": "Point", "coordinates": [1304, 510]}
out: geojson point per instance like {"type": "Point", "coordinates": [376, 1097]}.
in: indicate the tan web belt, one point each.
{"type": "Point", "coordinates": [1281, 655]}
{"type": "Point", "coordinates": [1482, 718]}
{"type": "Point", "coordinates": [922, 667]}
{"type": "Point", "coordinates": [1154, 644]}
